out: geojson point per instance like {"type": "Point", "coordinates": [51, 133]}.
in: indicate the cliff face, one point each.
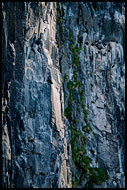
{"type": "Point", "coordinates": [63, 94]}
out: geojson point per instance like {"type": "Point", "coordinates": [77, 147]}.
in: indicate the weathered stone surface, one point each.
{"type": "Point", "coordinates": [63, 94]}
{"type": "Point", "coordinates": [95, 29]}
{"type": "Point", "coordinates": [36, 97]}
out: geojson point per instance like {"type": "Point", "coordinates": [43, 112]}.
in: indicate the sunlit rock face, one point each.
{"type": "Point", "coordinates": [63, 94]}
{"type": "Point", "coordinates": [39, 137]}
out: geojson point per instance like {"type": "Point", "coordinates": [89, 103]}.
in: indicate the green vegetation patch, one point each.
{"type": "Point", "coordinates": [81, 163]}
{"type": "Point", "coordinates": [96, 176]}
{"type": "Point", "coordinates": [67, 112]}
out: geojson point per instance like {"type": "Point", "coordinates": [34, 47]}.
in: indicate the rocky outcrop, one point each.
{"type": "Point", "coordinates": [39, 137]}
{"type": "Point", "coordinates": [63, 94]}
{"type": "Point", "coordinates": [93, 69]}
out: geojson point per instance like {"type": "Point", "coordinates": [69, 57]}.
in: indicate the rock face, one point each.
{"type": "Point", "coordinates": [63, 94]}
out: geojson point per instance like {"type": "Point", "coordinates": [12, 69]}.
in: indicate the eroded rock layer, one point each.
{"type": "Point", "coordinates": [63, 94]}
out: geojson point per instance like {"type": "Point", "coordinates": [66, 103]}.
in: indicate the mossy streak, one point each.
{"type": "Point", "coordinates": [81, 163]}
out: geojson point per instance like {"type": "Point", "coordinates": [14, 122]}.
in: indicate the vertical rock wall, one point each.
{"type": "Point", "coordinates": [37, 149]}
{"type": "Point", "coordinates": [63, 94]}
{"type": "Point", "coordinates": [92, 63]}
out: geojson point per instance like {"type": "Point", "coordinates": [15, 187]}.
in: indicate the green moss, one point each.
{"type": "Point", "coordinates": [87, 129]}
{"type": "Point", "coordinates": [80, 161]}
{"type": "Point", "coordinates": [61, 19]}
{"type": "Point", "coordinates": [74, 148]}
{"type": "Point", "coordinates": [65, 77]}
{"type": "Point", "coordinates": [85, 162]}
{"type": "Point", "coordinates": [71, 45]}
{"type": "Point", "coordinates": [78, 83]}
{"type": "Point", "coordinates": [96, 176]}
{"type": "Point", "coordinates": [76, 182]}
{"type": "Point", "coordinates": [75, 55]}
{"type": "Point", "coordinates": [70, 85]}
{"type": "Point", "coordinates": [71, 98]}
{"type": "Point", "coordinates": [85, 118]}
{"type": "Point", "coordinates": [67, 112]}
{"type": "Point", "coordinates": [75, 76]}
{"type": "Point", "coordinates": [75, 51]}
{"type": "Point", "coordinates": [70, 35]}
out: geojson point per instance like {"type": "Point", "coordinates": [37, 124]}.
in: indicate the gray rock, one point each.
{"type": "Point", "coordinates": [46, 46]}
